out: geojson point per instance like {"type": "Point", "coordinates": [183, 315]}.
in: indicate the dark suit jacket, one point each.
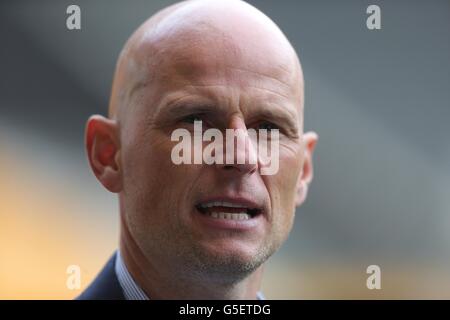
{"type": "Point", "coordinates": [105, 286]}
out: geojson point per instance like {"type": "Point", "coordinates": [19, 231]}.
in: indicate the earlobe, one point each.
{"type": "Point", "coordinates": [302, 192]}
{"type": "Point", "coordinates": [307, 172]}
{"type": "Point", "coordinates": [102, 146]}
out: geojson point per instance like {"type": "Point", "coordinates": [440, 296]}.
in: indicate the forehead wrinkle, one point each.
{"type": "Point", "coordinates": [185, 69]}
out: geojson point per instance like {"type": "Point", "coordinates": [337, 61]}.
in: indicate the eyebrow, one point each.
{"type": "Point", "coordinates": [180, 108]}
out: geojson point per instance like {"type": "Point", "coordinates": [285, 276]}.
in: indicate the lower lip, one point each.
{"type": "Point", "coordinates": [230, 224]}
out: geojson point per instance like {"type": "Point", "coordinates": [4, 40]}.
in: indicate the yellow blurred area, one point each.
{"type": "Point", "coordinates": [42, 232]}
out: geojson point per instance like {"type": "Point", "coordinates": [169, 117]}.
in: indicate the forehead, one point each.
{"type": "Point", "coordinates": [241, 64]}
{"type": "Point", "coordinates": [221, 62]}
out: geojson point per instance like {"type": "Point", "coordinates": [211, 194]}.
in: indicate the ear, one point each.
{"type": "Point", "coordinates": [307, 172]}
{"type": "Point", "coordinates": [103, 151]}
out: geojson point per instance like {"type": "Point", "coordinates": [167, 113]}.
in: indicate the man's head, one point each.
{"type": "Point", "coordinates": [227, 64]}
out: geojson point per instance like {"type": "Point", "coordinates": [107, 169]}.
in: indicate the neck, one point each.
{"type": "Point", "coordinates": [161, 281]}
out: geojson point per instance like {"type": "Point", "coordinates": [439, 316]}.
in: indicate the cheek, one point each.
{"type": "Point", "coordinates": [283, 185]}
{"type": "Point", "coordinates": [144, 161]}
{"type": "Point", "coordinates": [152, 182]}
{"type": "Point", "coordinates": [290, 169]}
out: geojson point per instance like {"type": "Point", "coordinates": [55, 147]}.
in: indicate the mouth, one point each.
{"type": "Point", "coordinates": [229, 210]}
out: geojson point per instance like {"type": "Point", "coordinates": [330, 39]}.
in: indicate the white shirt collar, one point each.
{"type": "Point", "coordinates": [130, 288]}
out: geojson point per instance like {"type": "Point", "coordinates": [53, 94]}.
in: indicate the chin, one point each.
{"type": "Point", "coordinates": [232, 259]}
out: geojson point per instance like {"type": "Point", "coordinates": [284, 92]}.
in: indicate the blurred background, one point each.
{"type": "Point", "coordinates": [380, 101]}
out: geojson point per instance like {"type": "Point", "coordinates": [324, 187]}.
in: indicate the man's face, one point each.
{"type": "Point", "coordinates": [225, 86]}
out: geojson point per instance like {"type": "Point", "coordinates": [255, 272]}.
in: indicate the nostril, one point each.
{"type": "Point", "coordinates": [244, 168]}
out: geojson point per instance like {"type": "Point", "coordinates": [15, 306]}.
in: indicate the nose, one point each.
{"type": "Point", "coordinates": [240, 153]}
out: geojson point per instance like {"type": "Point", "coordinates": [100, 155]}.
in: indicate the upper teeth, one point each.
{"type": "Point", "coordinates": [221, 204]}
{"type": "Point", "coordinates": [230, 216]}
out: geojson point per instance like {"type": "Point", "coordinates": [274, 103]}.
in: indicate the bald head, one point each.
{"type": "Point", "coordinates": [198, 37]}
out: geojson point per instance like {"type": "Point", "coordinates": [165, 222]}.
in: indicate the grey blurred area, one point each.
{"type": "Point", "coordinates": [379, 100]}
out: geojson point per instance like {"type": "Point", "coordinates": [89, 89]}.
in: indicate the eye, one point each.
{"type": "Point", "coordinates": [267, 126]}
{"type": "Point", "coordinates": [192, 118]}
